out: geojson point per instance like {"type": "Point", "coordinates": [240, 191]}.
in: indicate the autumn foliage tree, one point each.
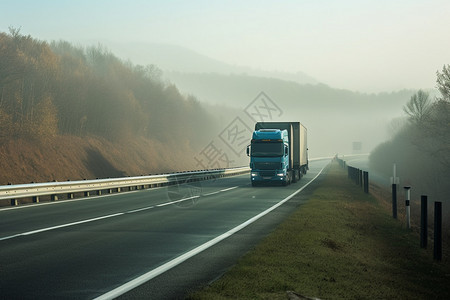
{"type": "Point", "coordinates": [57, 88]}
{"type": "Point", "coordinates": [26, 83]}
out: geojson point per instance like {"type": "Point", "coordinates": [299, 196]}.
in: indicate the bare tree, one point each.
{"type": "Point", "coordinates": [443, 83]}
{"type": "Point", "coordinates": [418, 107]}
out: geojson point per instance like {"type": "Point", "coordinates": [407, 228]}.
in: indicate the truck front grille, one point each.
{"type": "Point", "coordinates": [267, 166]}
{"type": "Point", "coordinates": [267, 173]}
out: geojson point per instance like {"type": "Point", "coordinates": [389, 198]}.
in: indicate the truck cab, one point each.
{"type": "Point", "coordinates": [269, 156]}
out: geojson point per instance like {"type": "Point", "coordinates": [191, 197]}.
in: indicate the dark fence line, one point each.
{"type": "Point", "coordinates": [358, 176]}
{"type": "Point", "coordinates": [361, 178]}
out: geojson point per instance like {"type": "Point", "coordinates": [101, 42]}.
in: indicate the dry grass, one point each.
{"type": "Point", "coordinates": [340, 245]}
{"type": "Point", "coordinates": [384, 199]}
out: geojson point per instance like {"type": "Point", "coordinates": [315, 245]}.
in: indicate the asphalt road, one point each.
{"type": "Point", "coordinates": [82, 249]}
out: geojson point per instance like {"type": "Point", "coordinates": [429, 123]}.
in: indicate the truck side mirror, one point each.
{"type": "Point", "coordinates": [248, 150]}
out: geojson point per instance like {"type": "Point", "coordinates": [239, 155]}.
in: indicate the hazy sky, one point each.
{"type": "Point", "coordinates": [355, 44]}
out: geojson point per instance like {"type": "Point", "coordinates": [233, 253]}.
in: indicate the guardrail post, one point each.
{"type": "Point", "coordinates": [86, 194]}
{"type": "Point", "coordinates": [99, 192]}
{"type": "Point", "coordinates": [354, 178]}
{"type": "Point", "coordinates": [437, 252]}
{"type": "Point", "coordinates": [408, 207]}
{"type": "Point", "coordinates": [423, 221]}
{"type": "Point", "coordinates": [394, 201]}
{"type": "Point", "coordinates": [70, 195]}
{"type": "Point", "coordinates": [366, 182]}
{"type": "Point", "coordinates": [14, 202]}
{"type": "Point", "coordinates": [54, 197]}
{"type": "Point", "coordinates": [35, 199]}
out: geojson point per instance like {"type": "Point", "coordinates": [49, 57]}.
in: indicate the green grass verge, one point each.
{"type": "Point", "coordinates": [341, 244]}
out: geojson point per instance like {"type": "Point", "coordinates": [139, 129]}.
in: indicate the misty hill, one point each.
{"type": "Point", "coordinates": [356, 117]}
{"type": "Point", "coordinates": [335, 118]}
{"type": "Point", "coordinates": [73, 108]}
{"type": "Point", "coordinates": [57, 98]}
{"type": "Point", "coordinates": [233, 89]}
{"type": "Point", "coordinates": [171, 58]}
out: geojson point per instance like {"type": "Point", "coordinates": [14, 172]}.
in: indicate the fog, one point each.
{"type": "Point", "coordinates": [344, 69]}
{"type": "Point", "coordinates": [335, 118]}
{"type": "Point", "coordinates": [419, 145]}
{"type": "Point", "coordinates": [368, 46]}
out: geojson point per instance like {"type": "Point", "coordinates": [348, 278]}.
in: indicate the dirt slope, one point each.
{"type": "Point", "coordinates": [68, 157]}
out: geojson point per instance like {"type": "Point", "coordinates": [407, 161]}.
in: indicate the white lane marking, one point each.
{"type": "Point", "coordinates": [213, 193]}
{"type": "Point", "coordinates": [220, 191]}
{"type": "Point", "coordinates": [178, 260]}
{"type": "Point", "coordinates": [177, 201]}
{"type": "Point", "coordinates": [60, 226]}
{"type": "Point", "coordinates": [230, 188]}
{"type": "Point", "coordinates": [140, 209]}
{"type": "Point", "coordinates": [104, 217]}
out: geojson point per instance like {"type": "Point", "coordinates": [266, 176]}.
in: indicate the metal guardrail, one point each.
{"type": "Point", "coordinates": [33, 190]}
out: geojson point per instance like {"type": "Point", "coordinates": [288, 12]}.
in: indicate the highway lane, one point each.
{"type": "Point", "coordinates": [85, 248]}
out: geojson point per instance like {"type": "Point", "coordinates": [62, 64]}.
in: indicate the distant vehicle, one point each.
{"type": "Point", "coordinates": [278, 152]}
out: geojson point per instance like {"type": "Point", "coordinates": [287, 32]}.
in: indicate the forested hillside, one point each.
{"type": "Point", "coordinates": [420, 146]}
{"type": "Point", "coordinates": [51, 92]}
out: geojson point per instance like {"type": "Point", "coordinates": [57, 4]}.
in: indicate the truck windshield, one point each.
{"type": "Point", "coordinates": [267, 149]}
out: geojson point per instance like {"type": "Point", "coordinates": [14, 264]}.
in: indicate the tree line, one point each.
{"type": "Point", "coordinates": [49, 89]}
{"type": "Point", "coordinates": [421, 145]}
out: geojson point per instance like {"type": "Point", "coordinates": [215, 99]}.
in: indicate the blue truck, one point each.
{"type": "Point", "coordinates": [278, 153]}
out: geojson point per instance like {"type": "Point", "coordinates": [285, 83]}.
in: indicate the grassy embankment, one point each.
{"type": "Point", "coordinates": [342, 244]}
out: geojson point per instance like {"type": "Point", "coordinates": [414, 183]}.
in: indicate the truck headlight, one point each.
{"type": "Point", "coordinates": [254, 174]}
{"type": "Point", "coordinates": [280, 174]}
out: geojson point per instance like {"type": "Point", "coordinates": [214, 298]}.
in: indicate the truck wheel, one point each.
{"type": "Point", "coordinates": [294, 178]}
{"type": "Point", "coordinates": [288, 178]}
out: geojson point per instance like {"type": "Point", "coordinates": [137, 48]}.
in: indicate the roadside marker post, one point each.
{"type": "Point", "coordinates": [394, 181]}
{"type": "Point", "coordinates": [408, 207]}
{"type": "Point", "coordinates": [423, 221]}
{"type": "Point", "coordinates": [366, 182]}
{"type": "Point", "coordinates": [437, 252]}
